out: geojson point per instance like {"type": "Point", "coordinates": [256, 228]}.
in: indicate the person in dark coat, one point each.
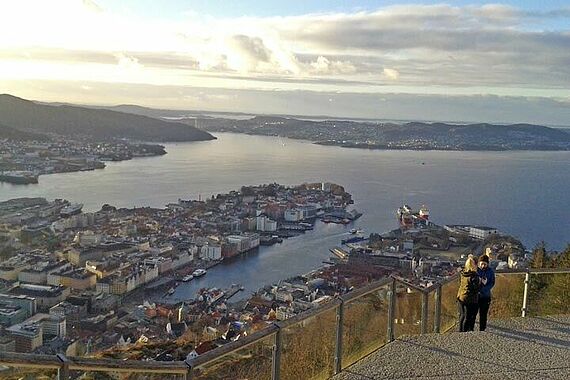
{"type": "Point", "coordinates": [468, 295]}
{"type": "Point", "coordinates": [487, 276]}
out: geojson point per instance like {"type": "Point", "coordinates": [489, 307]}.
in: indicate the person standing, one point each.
{"type": "Point", "coordinates": [468, 295]}
{"type": "Point", "coordinates": [487, 276]}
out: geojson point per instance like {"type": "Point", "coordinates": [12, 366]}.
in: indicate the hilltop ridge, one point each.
{"type": "Point", "coordinates": [68, 120]}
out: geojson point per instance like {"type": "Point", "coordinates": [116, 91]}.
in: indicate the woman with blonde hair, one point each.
{"type": "Point", "coordinates": [468, 295]}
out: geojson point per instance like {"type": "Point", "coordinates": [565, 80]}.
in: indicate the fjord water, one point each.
{"type": "Point", "coordinates": [525, 194]}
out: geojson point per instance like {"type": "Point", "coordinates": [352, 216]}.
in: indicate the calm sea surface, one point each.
{"type": "Point", "coordinates": [526, 194]}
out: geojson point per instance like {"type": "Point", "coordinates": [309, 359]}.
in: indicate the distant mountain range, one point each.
{"type": "Point", "coordinates": [150, 124]}
{"type": "Point", "coordinates": [372, 134]}
{"type": "Point", "coordinates": [413, 135]}
{"type": "Point", "coordinates": [24, 118]}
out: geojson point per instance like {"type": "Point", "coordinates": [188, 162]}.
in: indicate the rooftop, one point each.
{"type": "Point", "coordinates": [34, 290]}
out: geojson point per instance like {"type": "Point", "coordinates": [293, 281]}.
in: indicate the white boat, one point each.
{"type": "Point", "coordinates": [71, 209]}
{"type": "Point", "coordinates": [199, 272]}
{"type": "Point", "coordinates": [171, 291]}
{"type": "Point", "coordinates": [187, 278]}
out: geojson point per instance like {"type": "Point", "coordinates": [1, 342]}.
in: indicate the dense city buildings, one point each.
{"type": "Point", "coordinates": [93, 282]}
{"type": "Point", "coordinates": [93, 270]}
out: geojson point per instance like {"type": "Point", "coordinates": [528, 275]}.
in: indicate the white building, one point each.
{"type": "Point", "coordinates": [82, 220]}
{"type": "Point", "coordinates": [293, 215]}
{"type": "Point", "coordinates": [211, 251]}
{"type": "Point", "coordinates": [245, 242]}
{"type": "Point", "coordinates": [476, 232]}
{"type": "Point", "coordinates": [264, 224]}
{"type": "Point", "coordinates": [182, 258]}
{"type": "Point", "coordinates": [481, 232]}
{"type": "Point", "coordinates": [87, 238]}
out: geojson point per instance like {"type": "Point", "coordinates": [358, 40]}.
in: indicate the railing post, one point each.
{"type": "Point", "coordinates": [63, 371]}
{"type": "Point", "coordinates": [188, 375]}
{"type": "Point", "coordinates": [391, 310]}
{"type": "Point", "coordinates": [276, 362]}
{"type": "Point", "coordinates": [424, 321]}
{"type": "Point", "coordinates": [525, 294]}
{"type": "Point", "coordinates": [437, 312]}
{"type": "Point", "coordinates": [339, 333]}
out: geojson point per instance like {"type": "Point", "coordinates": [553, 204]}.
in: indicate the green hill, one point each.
{"type": "Point", "coordinates": [27, 116]}
{"type": "Point", "coordinates": [15, 134]}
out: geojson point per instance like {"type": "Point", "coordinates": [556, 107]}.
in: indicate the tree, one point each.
{"type": "Point", "coordinates": [556, 296]}
{"type": "Point", "coordinates": [539, 256]}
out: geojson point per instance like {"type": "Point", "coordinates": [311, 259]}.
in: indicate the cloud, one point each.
{"type": "Point", "coordinates": [91, 5]}
{"type": "Point", "coordinates": [323, 65]}
{"type": "Point", "coordinates": [462, 108]}
{"type": "Point", "coordinates": [127, 62]}
{"type": "Point", "coordinates": [252, 47]}
{"type": "Point", "coordinates": [485, 49]}
{"type": "Point", "coordinates": [391, 74]}
{"type": "Point", "coordinates": [248, 53]}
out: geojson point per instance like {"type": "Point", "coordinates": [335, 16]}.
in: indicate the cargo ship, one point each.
{"type": "Point", "coordinates": [19, 177]}
{"type": "Point", "coordinates": [408, 218]}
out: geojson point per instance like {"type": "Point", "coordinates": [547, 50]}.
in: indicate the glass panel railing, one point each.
{"type": "Point", "coordinates": [308, 347]}
{"type": "Point", "coordinates": [431, 298]}
{"type": "Point", "coordinates": [18, 373]}
{"type": "Point", "coordinates": [252, 362]}
{"type": "Point", "coordinates": [408, 312]}
{"type": "Point", "coordinates": [548, 294]}
{"type": "Point", "coordinates": [108, 369]}
{"type": "Point", "coordinates": [308, 343]}
{"type": "Point", "coordinates": [365, 324]}
{"type": "Point", "coordinates": [114, 375]}
{"type": "Point", "coordinates": [507, 295]}
{"type": "Point", "coordinates": [449, 312]}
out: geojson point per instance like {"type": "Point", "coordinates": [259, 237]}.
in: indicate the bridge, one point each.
{"type": "Point", "coordinates": [388, 329]}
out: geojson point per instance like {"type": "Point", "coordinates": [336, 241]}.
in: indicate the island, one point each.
{"type": "Point", "coordinates": [38, 139]}
{"type": "Point", "coordinates": [409, 136]}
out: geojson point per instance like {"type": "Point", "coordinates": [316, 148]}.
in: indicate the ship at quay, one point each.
{"type": "Point", "coordinates": [128, 263]}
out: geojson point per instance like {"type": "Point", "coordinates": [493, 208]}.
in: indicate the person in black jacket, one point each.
{"type": "Point", "coordinates": [487, 276]}
{"type": "Point", "coordinates": [468, 295]}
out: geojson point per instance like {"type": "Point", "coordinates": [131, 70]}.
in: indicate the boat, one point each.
{"type": "Point", "coordinates": [408, 218]}
{"type": "Point", "coordinates": [354, 239]}
{"type": "Point", "coordinates": [187, 278]}
{"type": "Point", "coordinates": [339, 252]}
{"type": "Point", "coordinates": [424, 212]}
{"type": "Point", "coordinates": [171, 291]}
{"type": "Point", "coordinates": [199, 272]}
{"type": "Point", "coordinates": [353, 231]}
{"type": "Point", "coordinates": [19, 177]}
{"type": "Point", "coordinates": [71, 210]}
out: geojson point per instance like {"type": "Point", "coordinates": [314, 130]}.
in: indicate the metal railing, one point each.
{"type": "Point", "coordinates": [314, 345]}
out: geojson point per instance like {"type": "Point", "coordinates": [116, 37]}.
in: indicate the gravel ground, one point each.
{"type": "Point", "coordinates": [518, 348]}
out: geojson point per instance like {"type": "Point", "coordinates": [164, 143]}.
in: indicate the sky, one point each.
{"type": "Point", "coordinates": [452, 61]}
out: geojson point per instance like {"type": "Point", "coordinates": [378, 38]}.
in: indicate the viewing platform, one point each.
{"type": "Point", "coordinates": [389, 329]}
{"type": "Point", "coordinates": [516, 348]}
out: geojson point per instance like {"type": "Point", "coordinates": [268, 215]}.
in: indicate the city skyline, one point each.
{"type": "Point", "coordinates": [464, 61]}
